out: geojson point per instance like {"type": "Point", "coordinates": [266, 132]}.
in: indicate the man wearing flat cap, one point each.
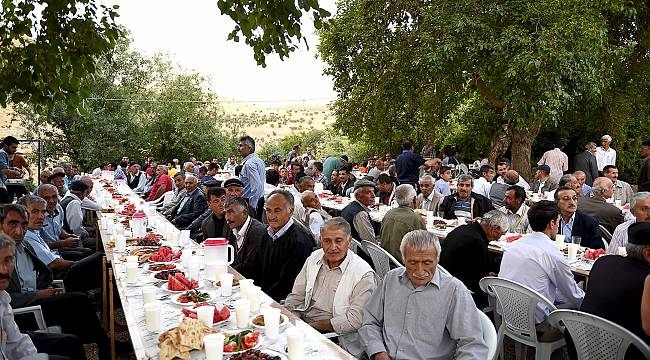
{"type": "Point", "coordinates": [58, 179]}
{"type": "Point", "coordinates": [616, 284]}
{"type": "Point", "coordinates": [357, 213]}
{"type": "Point", "coordinates": [71, 205]}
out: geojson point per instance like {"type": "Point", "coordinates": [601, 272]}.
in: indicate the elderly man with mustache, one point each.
{"type": "Point", "coordinates": [333, 286]}
{"type": "Point", "coordinates": [430, 314]}
{"type": "Point", "coordinates": [576, 223]}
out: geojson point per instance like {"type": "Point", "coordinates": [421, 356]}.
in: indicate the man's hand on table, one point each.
{"type": "Point", "coordinates": [70, 242]}
{"type": "Point", "coordinates": [322, 325]}
{"type": "Point", "coordinates": [46, 293]}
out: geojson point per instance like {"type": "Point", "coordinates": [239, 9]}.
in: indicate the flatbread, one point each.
{"type": "Point", "coordinates": [179, 341]}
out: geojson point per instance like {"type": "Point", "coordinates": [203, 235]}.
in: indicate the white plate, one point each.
{"type": "Point", "coordinates": [174, 299]}
{"type": "Point", "coordinates": [260, 340]}
{"type": "Point", "coordinates": [284, 320]}
{"type": "Point", "coordinates": [165, 288]}
{"type": "Point", "coordinates": [215, 324]}
{"type": "Point", "coordinates": [153, 274]}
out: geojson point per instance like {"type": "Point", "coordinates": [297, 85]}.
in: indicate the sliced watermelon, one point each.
{"type": "Point", "coordinates": [174, 285]}
{"type": "Point", "coordinates": [182, 279]}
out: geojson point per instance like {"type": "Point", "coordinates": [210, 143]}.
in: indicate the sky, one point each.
{"type": "Point", "coordinates": [195, 33]}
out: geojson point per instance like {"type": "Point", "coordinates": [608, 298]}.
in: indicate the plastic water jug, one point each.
{"type": "Point", "coordinates": [139, 227]}
{"type": "Point", "coordinates": [217, 250]}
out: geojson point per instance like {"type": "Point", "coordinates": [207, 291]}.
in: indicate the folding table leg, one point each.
{"type": "Point", "coordinates": [111, 313]}
{"type": "Point", "coordinates": [104, 292]}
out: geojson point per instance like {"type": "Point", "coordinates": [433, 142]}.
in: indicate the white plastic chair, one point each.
{"type": "Point", "coordinates": [37, 311]}
{"type": "Point", "coordinates": [381, 259]}
{"type": "Point", "coordinates": [356, 245]}
{"type": "Point", "coordinates": [596, 338]}
{"type": "Point", "coordinates": [606, 235]}
{"type": "Point", "coordinates": [518, 304]}
{"type": "Point", "coordinates": [489, 334]}
{"type": "Point", "coordinates": [168, 197]}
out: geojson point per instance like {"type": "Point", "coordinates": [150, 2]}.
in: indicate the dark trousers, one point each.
{"type": "Point", "coordinates": [84, 275]}
{"type": "Point", "coordinates": [74, 254]}
{"type": "Point", "coordinates": [4, 196]}
{"type": "Point", "coordinates": [58, 346]}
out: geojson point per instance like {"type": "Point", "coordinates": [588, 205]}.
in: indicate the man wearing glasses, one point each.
{"type": "Point", "coordinates": [575, 223]}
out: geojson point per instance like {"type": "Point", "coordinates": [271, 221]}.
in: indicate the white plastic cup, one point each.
{"type": "Point", "coordinates": [622, 251]}
{"type": "Point", "coordinates": [213, 346]}
{"type": "Point", "coordinates": [242, 312]}
{"type": "Point", "coordinates": [110, 227]}
{"type": "Point", "coordinates": [104, 222]}
{"type": "Point", "coordinates": [211, 272]}
{"type": "Point", "coordinates": [120, 243]}
{"type": "Point", "coordinates": [295, 343]}
{"type": "Point", "coordinates": [220, 268]}
{"type": "Point", "coordinates": [255, 298]}
{"type": "Point", "coordinates": [462, 220]}
{"type": "Point", "coordinates": [193, 268]}
{"type": "Point", "coordinates": [119, 229]}
{"type": "Point", "coordinates": [149, 294]}
{"type": "Point", "coordinates": [131, 273]}
{"type": "Point", "coordinates": [617, 203]}
{"type": "Point", "coordinates": [186, 257]}
{"type": "Point", "coordinates": [184, 237]}
{"type": "Point", "coordinates": [205, 314]}
{"type": "Point", "coordinates": [225, 283]}
{"type": "Point", "coordinates": [376, 200]}
{"type": "Point", "coordinates": [573, 251]}
{"type": "Point", "coordinates": [271, 322]}
{"type": "Point", "coordinates": [152, 316]}
{"type": "Point", "coordinates": [245, 283]}
{"type": "Point", "coordinates": [132, 259]}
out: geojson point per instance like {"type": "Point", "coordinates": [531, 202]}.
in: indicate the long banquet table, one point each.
{"type": "Point", "coordinates": [145, 343]}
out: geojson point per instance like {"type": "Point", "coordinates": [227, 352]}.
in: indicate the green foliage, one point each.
{"type": "Point", "coordinates": [270, 25]}
{"type": "Point", "coordinates": [48, 47]}
{"type": "Point", "coordinates": [161, 112]}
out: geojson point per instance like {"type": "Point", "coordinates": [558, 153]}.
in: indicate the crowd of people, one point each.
{"type": "Point", "coordinates": [300, 254]}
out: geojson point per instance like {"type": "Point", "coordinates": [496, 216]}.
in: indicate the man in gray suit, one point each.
{"type": "Point", "coordinates": [586, 162]}
{"type": "Point", "coordinates": [607, 214]}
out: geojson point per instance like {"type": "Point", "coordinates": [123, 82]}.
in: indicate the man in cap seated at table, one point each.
{"type": "Point", "coordinates": [71, 205]}
{"type": "Point", "coordinates": [465, 252]}
{"type": "Point", "coordinates": [400, 220]}
{"type": "Point", "coordinates": [57, 179]}
{"type": "Point", "coordinates": [419, 312]}
{"type": "Point", "coordinates": [608, 215]}
{"type": "Point", "coordinates": [516, 209]}
{"type": "Point", "coordinates": [246, 234]}
{"type": "Point", "coordinates": [192, 205]}
{"type": "Point", "coordinates": [287, 245]}
{"type": "Point", "coordinates": [429, 199]}
{"type": "Point", "coordinates": [233, 188]}
{"type": "Point", "coordinates": [616, 284]}
{"type": "Point", "coordinates": [543, 181]}
{"type": "Point", "coordinates": [576, 223]}
{"type": "Point", "coordinates": [31, 284]}
{"type": "Point", "coordinates": [357, 213]}
{"type": "Point", "coordinates": [640, 209]}
{"type": "Point", "coordinates": [465, 203]}
{"type": "Point", "coordinates": [535, 261]}
{"type": "Point", "coordinates": [314, 216]}
{"type": "Point", "coordinates": [333, 287]}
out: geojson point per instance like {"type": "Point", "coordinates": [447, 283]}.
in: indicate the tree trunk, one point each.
{"type": "Point", "coordinates": [522, 142]}
{"type": "Point", "coordinates": [499, 142]}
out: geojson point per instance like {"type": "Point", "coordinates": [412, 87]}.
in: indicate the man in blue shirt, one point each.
{"type": "Point", "coordinates": [408, 165]}
{"type": "Point", "coordinates": [252, 172]}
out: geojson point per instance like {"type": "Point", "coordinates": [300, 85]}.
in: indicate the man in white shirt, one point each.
{"type": "Point", "coordinates": [535, 262]}
{"type": "Point", "coordinates": [482, 185]}
{"type": "Point", "coordinates": [640, 208]}
{"type": "Point", "coordinates": [605, 155]}
{"type": "Point", "coordinates": [302, 183]}
{"type": "Point", "coordinates": [314, 216]}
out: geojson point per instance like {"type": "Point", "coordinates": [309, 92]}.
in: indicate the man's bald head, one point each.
{"type": "Point", "coordinates": [511, 177]}
{"type": "Point", "coordinates": [603, 186]}
{"type": "Point", "coordinates": [310, 199]}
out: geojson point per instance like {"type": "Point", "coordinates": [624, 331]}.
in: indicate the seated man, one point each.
{"type": "Point", "coordinates": [162, 185]}
{"type": "Point", "coordinates": [581, 177]}
{"type": "Point", "coordinates": [357, 212]}
{"type": "Point", "coordinates": [317, 173]}
{"type": "Point", "coordinates": [616, 284]}
{"type": "Point", "coordinates": [301, 183]}
{"type": "Point", "coordinates": [498, 189]}
{"type": "Point", "coordinates": [233, 188]}
{"type": "Point", "coordinates": [640, 209]}
{"type": "Point", "coordinates": [570, 181]}
{"type": "Point", "coordinates": [465, 252]}
{"type": "Point", "coordinates": [442, 185]}
{"type": "Point", "coordinates": [286, 246]}
{"type": "Point", "coordinates": [482, 184]}
{"type": "Point", "coordinates": [214, 225]}
{"type": "Point", "coordinates": [386, 194]}
{"type": "Point", "coordinates": [179, 194]}
{"type": "Point", "coordinates": [73, 214]}
{"type": "Point", "coordinates": [81, 275]}
{"type": "Point", "coordinates": [543, 181]}
{"type": "Point", "coordinates": [332, 185]}
{"type": "Point", "coordinates": [333, 287]}
{"type": "Point", "coordinates": [429, 199]}
{"type": "Point", "coordinates": [53, 233]}
{"type": "Point", "coordinates": [192, 205]}
{"type": "Point", "coordinates": [246, 234]}
{"type": "Point", "coordinates": [534, 261]}
{"type": "Point", "coordinates": [597, 206]}
{"type": "Point", "coordinates": [314, 216]}
{"type": "Point", "coordinates": [346, 182]}
{"type": "Point", "coordinates": [57, 179]}
{"type": "Point", "coordinates": [516, 209]}
{"type": "Point", "coordinates": [576, 223]}
{"type": "Point", "coordinates": [31, 284]}
{"type": "Point", "coordinates": [213, 169]}
{"type": "Point", "coordinates": [622, 190]}
{"type": "Point", "coordinates": [465, 203]}
{"type": "Point", "coordinates": [419, 312]}
{"type": "Point", "coordinates": [20, 346]}
{"type": "Point", "coordinates": [135, 178]}
{"type": "Point", "coordinates": [503, 167]}
{"type": "Point", "coordinates": [401, 220]}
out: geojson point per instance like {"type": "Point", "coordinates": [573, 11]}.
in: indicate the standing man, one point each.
{"type": "Point", "coordinates": [557, 160]}
{"type": "Point", "coordinates": [408, 165]}
{"type": "Point", "coordinates": [586, 162]}
{"type": "Point", "coordinates": [252, 172]}
{"type": "Point", "coordinates": [605, 155]}
{"type": "Point", "coordinates": [9, 148]}
{"type": "Point", "coordinates": [644, 175]}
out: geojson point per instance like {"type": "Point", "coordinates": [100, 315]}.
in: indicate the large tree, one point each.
{"type": "Point", "coordinates": [410, 66]}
